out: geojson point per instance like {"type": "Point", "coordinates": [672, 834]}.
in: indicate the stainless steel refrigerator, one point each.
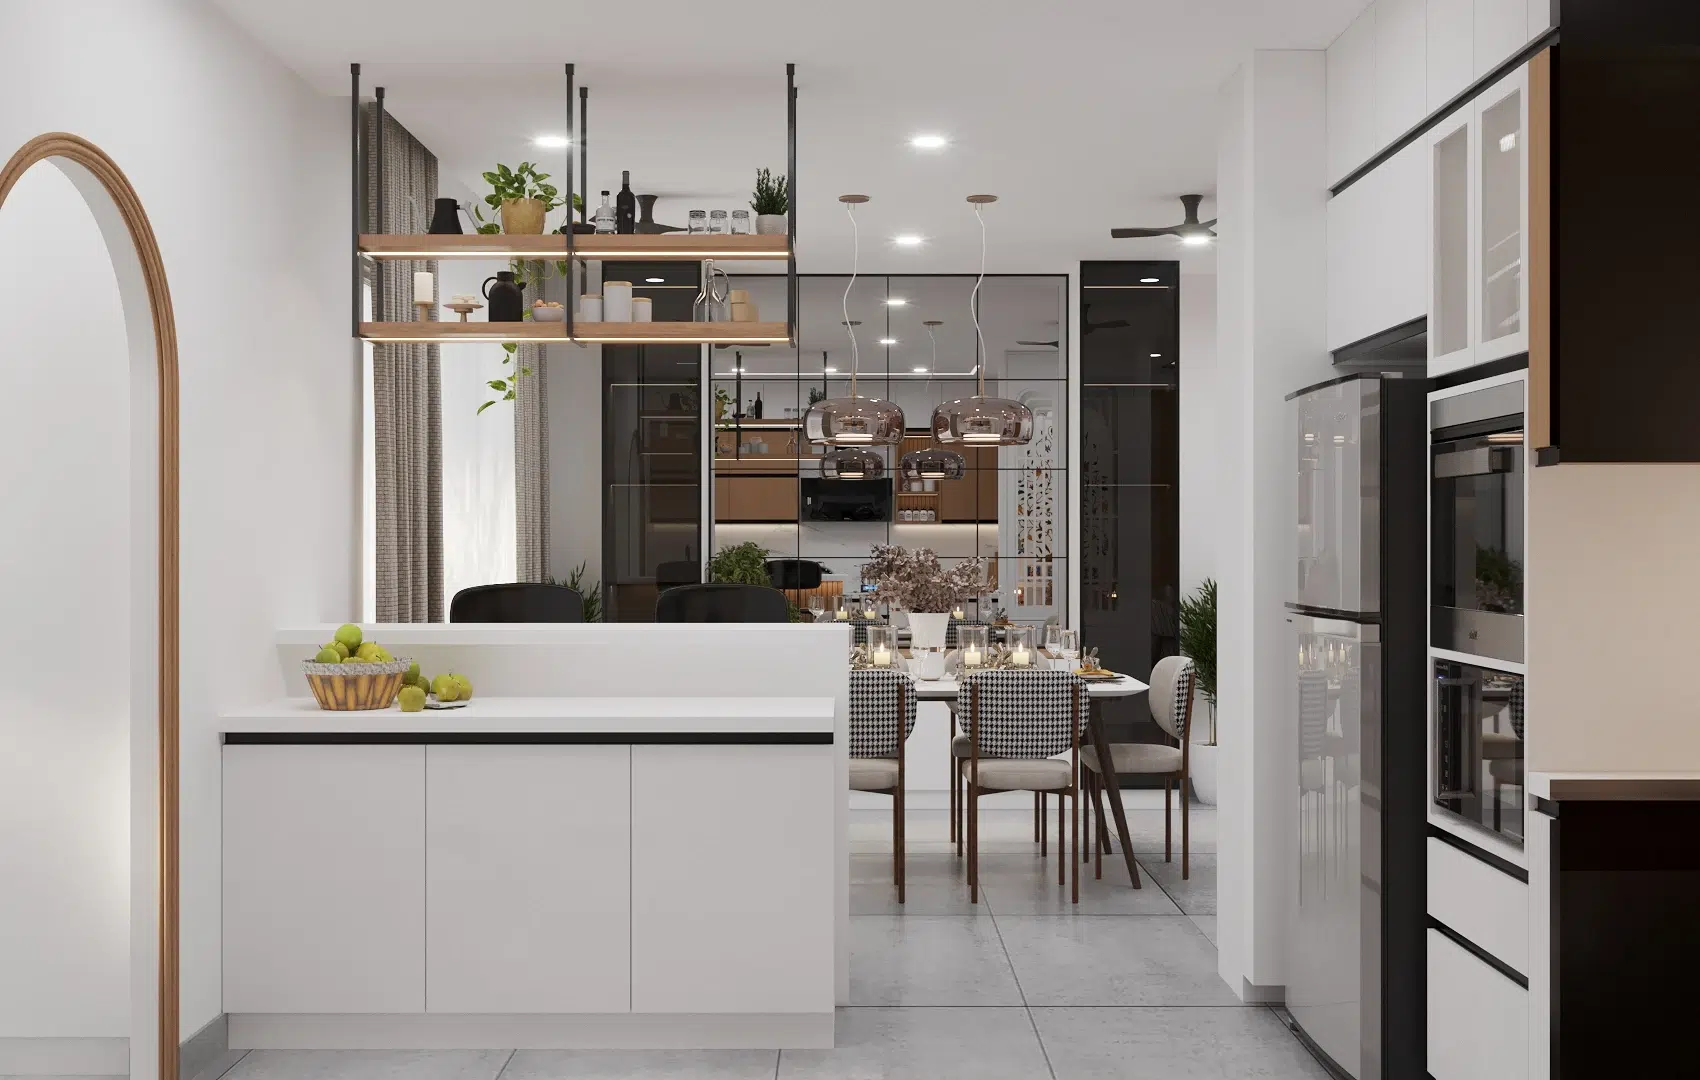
{"type": "Point", "coordinates": [1357, 619]}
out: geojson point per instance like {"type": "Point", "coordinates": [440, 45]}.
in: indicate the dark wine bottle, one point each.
{"type": "Point", "coordinates": [625, 207]}
{"type": "Point", "coordinates": [758, 405]}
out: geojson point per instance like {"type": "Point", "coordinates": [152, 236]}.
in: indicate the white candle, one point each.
{"type": "Point", "coordinates": [1020, 657]}
{"type": "Point", "coordinates": [957, 614]}
{"type": "Point", "coordinates": [424, 286]}
{"type": "Point", "coordinates": [842, 614]}
{"type": "Point", "coordinates": [882, 657]}
{"type": "Point", "coordinates": [971, 657]}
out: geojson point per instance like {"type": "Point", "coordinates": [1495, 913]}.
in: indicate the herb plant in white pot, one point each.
{"type": "Point", "coordinates": [771, 200]}
{"type": "Point", "coordinates": [1198, 640]}
{"type": "Point", "coordinates": [915, 582]}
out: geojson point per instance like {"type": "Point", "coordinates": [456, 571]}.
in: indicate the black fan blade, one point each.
{"type": "Point", "coordinates": [1211, 225]}
{"type": "Point", "coordinates": [1046, 344]}
{"type": "Point", "coordinates": [1130, 234]}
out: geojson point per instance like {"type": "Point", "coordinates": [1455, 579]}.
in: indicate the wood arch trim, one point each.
{"type": "Point", "coordinates": [59, 147]}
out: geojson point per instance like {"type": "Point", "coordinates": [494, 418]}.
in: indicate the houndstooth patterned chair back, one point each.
{"type": "Point", "coordinates": [1023, 714]}
{"type": "Point", "coordinates": [1313, 713]}
{"type": "Point", "coordinates": [1518, 708]}
{"type": "Point", "coordinates": [1171, 694]}
{"type": "Point", "coordinates": [873, 711]}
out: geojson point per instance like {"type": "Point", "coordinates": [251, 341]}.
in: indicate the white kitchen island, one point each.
{"type": "Point", "coordinates": [650, 868]}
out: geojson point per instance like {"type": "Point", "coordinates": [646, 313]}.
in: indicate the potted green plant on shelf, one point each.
{"type": "Point", "coordinates": [1198, 640]}
{"type": "Point", "coordinates": [746, 564]}
{"type": "Point", "coordinates": [519, 200]}
{"type": "Point", "coordinates": [722, 399]}
{"type": "Point", "coordinates": [772, 198]}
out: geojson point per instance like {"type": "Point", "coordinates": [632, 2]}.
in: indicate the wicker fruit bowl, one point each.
{"type": "Point", "coordinates": [352, 687]}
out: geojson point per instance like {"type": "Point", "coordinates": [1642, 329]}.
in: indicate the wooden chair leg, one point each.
{"type": "Point", "coordinates": [1062, 846]}
{"type": "Point", "coordinates": [1186, 832]}
{"type": "Point", "coordinates": [1086, 826]}
{"type": "Point", "coordinates": [1168, 844]}
{"type": "Point", "coordinates": [898, 836]}
{"type": "Point", "coordinates": [973, 811]}
{"type": "Point", "coordinates": [956, 785]}
{"type": "Point", "coordinates": [1038, 813]}
{"type": "Point", "coordinates": [1044, 826]}
{"type": "Point", "coordinates": [953, 797]}
{"type": "Point", "coordinates": [1074, 813]}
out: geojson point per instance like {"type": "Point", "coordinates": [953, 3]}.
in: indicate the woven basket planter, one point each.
{"type": "Point", "coordinates": [355, 687]}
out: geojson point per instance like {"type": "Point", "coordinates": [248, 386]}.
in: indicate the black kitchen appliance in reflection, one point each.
{"type": "Point", "coordinates": [845, 500]}
{"type": "Point", "coordinates": [1355, 986]}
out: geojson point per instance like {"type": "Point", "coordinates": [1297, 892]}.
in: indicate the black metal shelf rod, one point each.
{"type": "Point", "coordinates": [357, 194]}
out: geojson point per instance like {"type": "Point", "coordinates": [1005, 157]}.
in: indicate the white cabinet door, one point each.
{"type": "Point", "coordinates": [1539, 18]}
{"type": "Point", "coordinates": [1478, 1020]}
{"type": "Point", "coordinates": [1451, 33]}
{"type": "Point", "coordinates": [1351, 97]}
{"type": "Point", "coordinates": [1401, 73]}
{"type": "Point", "coordinates": [1404, 237]}
{"type": "Point", "coordinates": [1501, 185]}
{"type": "Point", "coordinates": [324, 879]}
{"type": "Point", "coordinates": [1501, 27]}
{"type": "Point", "coordinates": [528, 880]}
{"type": "Point", "coordinates": [1377, 249]}
{"type": "Point", "coordinates": [733, 878]}
{"type": "Point", "coordinates": [1452, 248]}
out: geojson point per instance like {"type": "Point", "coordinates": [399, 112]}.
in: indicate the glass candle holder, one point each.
{"type": "Point", "coordinates": [851, 609]}
{"type": "Point", "coordinates": [882, 646]}
{"type": "Point", "coordinates": [975, 643]}
{"type": "Point", "coordinates": [1019, 640]}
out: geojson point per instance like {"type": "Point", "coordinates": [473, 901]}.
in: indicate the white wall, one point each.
{"type": "Point", "coordinates": [1271, 321]}
{"type": "Point", "coordinates": [242, 173]}
{"type": "Point", "coordinates": [1201, 464]}
{"type": "Point", "coordinates": [64, 773]}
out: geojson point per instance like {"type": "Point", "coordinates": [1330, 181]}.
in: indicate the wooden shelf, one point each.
{"type": "Point", "coordinates": [650, 333]}
{"type": "Point", "coordinates": [646, 247]}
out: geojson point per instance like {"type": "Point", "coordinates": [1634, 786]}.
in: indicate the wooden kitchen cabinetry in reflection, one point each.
{"type": "Point", "coordinates": [755, 498]}
{"type": "Point", "coordinates": [974, 498]}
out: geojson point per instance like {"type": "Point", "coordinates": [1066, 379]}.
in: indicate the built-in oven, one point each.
{"type": "Point", "coordinates": [1476, 550]}
{"type": "Point", "coordinates": [1479, 723]}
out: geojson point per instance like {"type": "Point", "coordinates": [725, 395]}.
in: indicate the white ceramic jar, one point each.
{"type": "Point", "coordinates": [617, 301]}
{"type": "Point", "coordinates": [590, 307]}
{"type": "Point", "coordinates": [643, 310]}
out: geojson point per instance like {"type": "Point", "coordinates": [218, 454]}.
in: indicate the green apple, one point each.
{"type": "Point", "coordinates": [369, 651]}
{"type": "Point", "coordinates": [339, 647]}
{"type": "Point", "coordinates": [328, 655]}
{"type": "Point", "coordinates": [449, 690]}
{"type": "Point", "coordinates": [352, 660]}
{"type": "Point", "coordinates": [465, 686]}
{"type": "Point", "coordinates": [439, 682]}
{"type": "Point", "coordinates": [412, 699]}
{"type": "Point", "coordinates": [385, 655]}
{"type": "Point", "coordinates": [413, 673]}
{"type": "Point", "coordinates": [349, 635]}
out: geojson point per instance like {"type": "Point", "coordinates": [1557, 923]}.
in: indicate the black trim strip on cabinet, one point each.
{"type": "Point", "coordinates": [522, 738]}
{"type": "Point", "coordinates": [1380, 339]}
{"type": "Point", "coordinates": [1502, 366]}
{"type": "Point", "coordinates": [1458, 101]}
{"type": "Point", "coordinates": [1546, 455]}
{"type": "Point", "coordinates": [1371, 618]}
{"type": "Point", "coordinates": [1478, 952]}
{"type": "Point", "coordinates": [1503, 865]}
{"type": "Point", "coordinates": [1335, 381]}
{"type": "Point", "coordinates": [1543, 806]}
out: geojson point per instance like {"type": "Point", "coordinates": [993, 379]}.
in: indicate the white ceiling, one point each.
{"type": "Point", "coordinates": [1080, 115]}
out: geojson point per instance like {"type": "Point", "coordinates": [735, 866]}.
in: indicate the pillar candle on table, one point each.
{"type": "Point", "coordinates": [424, 287]}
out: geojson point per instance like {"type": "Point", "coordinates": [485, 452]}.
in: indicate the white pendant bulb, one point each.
{"type": "Point", "coordinates": [982, 420]}
{"type": "Point", "coordinates": [853, 420]}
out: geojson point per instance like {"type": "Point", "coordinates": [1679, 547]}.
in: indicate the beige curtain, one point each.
{"type": "Point", "coordinates": [531, 466]}
{"type": "Point", "coordinates": [406, 396]}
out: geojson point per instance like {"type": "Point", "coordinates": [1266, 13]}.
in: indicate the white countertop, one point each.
{"type": "Point", "coordinates": [1614, 786]}
{"type": "Point", "coordinates": [752, 715]}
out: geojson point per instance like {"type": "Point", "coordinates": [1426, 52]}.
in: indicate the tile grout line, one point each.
{"type": "Point", "coordinates": [509, 1060]}
{"type": "Point", "coordinates": [1025, 1007]}
{"type": "Point", "coordinates": [779, 1055]}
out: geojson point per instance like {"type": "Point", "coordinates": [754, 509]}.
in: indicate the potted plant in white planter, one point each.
{"type": "Point", "coordinates": [772, 198]}
{"type": "Point", "coordinates": [915, 582]}
{"type": "Point", "coordinates": [1198, 640]}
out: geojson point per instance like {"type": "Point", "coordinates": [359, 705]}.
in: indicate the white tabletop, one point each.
{"type": "Point", "coordinates": [1126, 686]}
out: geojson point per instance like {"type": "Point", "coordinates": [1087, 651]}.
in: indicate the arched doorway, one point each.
{"type": "Point", "coordinates": [151, 333]}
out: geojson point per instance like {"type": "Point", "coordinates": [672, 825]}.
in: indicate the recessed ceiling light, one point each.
{"type": "Point", "coordinates": [1156, 355]}
{"type": "Point", "coordinates": [888, 341]}
{"type": "Point", "coordinates": [895, 301]}
{"type": "Point", "coordinates": [906, 240]}
{"type": "Point", "coordinates": [920, 371]}
{"type": "Point", "coordinates": [928, 142]}
{"type": "Point", "coordinates": [1195, 240]}
{"type": "Point", "coordinates": [1148, 281]}
{"type": "Point", "coordinates": [655, 280]}
{"type": "Point", "coordinates": [551, 142]}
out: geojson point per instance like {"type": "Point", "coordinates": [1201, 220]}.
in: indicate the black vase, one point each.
{"type": "Point", "coordinates": [506, 298]}
{"type": "Point", "coordinates": [446, 219]}
{"type": "Point", "coordinates": [646, 217]}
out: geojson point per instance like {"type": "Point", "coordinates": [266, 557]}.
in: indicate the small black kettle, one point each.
{"type": "Point", "coordinates": [507, 300]}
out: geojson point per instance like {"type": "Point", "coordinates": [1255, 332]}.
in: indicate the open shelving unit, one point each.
{"type": "Point", "coordinates": [600, 333]}
{"type": "Point", "coordinates": [647, 247]}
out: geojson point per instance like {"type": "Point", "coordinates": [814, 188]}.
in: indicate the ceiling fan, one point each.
{"type": "Point", "coordinates": [1191, 231]}
{"type": "Point", "coordinates": [1086, 327]}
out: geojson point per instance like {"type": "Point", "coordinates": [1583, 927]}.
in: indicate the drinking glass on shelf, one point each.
{"type": "Point", "coordinates": [717, 222]}
{"type": "Point", "coordinates": [698, 221]}
{"type": "Point", "coordinates": [740, 223]}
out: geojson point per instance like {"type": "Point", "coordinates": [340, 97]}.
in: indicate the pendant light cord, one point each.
{"type": "Point", "coordinates": [974, 304]}
{"type": "Point", "coordinates": [855, 264]}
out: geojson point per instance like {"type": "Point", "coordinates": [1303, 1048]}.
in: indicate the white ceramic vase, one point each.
{"type": "Point", "coordinates": [1202, 757]}
{"type": "Point", "coordinates": [770, 224]}
{"type": "Point", "coordinates": [927, 629]}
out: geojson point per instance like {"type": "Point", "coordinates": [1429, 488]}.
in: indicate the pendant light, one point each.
{"type": "Point", "coordinates": [853, 420]}
{"type": "Point", "coordinates": [852, 463]}
{"type": "Point", "coordinates": [933, 463]}
{"type": "Point", "coordinates": [982, 420]}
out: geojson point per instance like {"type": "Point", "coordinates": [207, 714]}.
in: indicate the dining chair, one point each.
{"type": "Point", "coordinates": [1018, 724]}
{"type": "Point", "coordinates": [517, 602]}
{"type": "Point", "coordinates": [1170, 700]}
{"type": "Point", "coordinates": [722, 603]}
{"type": "Point", "coordinates": [882, 716]}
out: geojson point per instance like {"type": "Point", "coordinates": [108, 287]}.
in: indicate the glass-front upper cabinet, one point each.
{"type": "Point", "coordinates": [1479, 217]}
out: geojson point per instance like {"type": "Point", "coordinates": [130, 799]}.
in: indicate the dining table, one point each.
{"type": "Point", "coordinates": [1097, 691]}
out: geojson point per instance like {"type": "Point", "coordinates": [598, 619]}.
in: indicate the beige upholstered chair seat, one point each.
{"type": "Point", "coordinates": [1136, 758]}
{"type": "Point", "coordinates": [1507, 771]}
{"type": "Point", "coordinates": [1497, 746]}
{"type": "Point", "coordinates": [1021, 774]}
{"type": "Point", "coordinates": [873, 774]}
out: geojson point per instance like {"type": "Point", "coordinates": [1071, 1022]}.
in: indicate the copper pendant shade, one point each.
{"type": "Point", "coordinates": [933, 463]}
{"type": "Point", "coordinates": [852, 463]}
{"type": "Point", "coordinates": [853, 420]}
{"type": "Point", "coordinates": [981, 420]}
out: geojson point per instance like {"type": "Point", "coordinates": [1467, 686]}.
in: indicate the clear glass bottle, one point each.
{"type": "Point", "coordinates": [605, 216]}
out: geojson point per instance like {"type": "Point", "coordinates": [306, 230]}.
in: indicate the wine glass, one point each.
{"type": "Point", "coordinates": [1068, 645]}
{"type": "Point", "coordinates": [817, 607]}
{"type": "Point", "coordinates": [1053, 637]}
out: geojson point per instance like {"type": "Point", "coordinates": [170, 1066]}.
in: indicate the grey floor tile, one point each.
{"type": "Point", "coordinates": [1197, 894]}
{"type": "Point", "coordinates": [1206, 925]}
{"type": "Point", "coordinates": [1025, 885]}
{"type": "Point", "coordinates": [928, 960]}
{"type": "Point", "coordinates": [936, 885]}
{"type": "Point", "coordinates": [1145, 827]}
{"type": "Point", "coordinates": [647, 1064]}
{"type": "Point", "coordinates": [1173, 1044]}
{"type": "Point", "coordinates": [1132, 960]}
{"type": "Point", "coordinates": [369, 1065]}
{"type": "Point", "coordinates": [924, 1044]}
{"type": "Point", "coordinates": [61, 1076]}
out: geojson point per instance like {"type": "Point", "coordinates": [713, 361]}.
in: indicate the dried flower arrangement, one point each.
{"type": "Point", "coordinates": [916, 582]}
